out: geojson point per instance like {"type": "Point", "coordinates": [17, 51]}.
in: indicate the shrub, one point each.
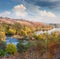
{"type": "Point", "coordinates": [11, 49]}
{"type": "Point", "coordinates": [23, 46]}
{"type": "Point", "coordinates": [2, 53]}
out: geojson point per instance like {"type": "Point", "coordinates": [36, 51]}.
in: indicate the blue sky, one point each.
{"type": "Point", "coordinates": [47, 11]}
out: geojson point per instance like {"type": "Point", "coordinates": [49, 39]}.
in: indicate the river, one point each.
{"type": "Point", "coordinates": [49, 31]}
{"type": "Point", "coordinates": [14, 41]}
{"type": "Point", "coordinates": [11, 40]}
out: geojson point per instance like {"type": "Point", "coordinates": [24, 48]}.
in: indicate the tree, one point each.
{"type": "Point", "coordinates": [11, 49]}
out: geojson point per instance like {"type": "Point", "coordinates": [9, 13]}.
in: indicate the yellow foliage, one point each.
{"type": "Point", "coordinates": [24, 32]}
{"type": "Point", "coordinates": [13, 31]}
{"type": "Point", "coordinates": [2, 36]}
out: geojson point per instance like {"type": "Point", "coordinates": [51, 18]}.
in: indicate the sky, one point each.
{"type": "Point", "coordinates": [47, 11]}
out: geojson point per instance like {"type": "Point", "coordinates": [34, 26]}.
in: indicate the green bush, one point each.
{"type": "Point", "coordinates": [23, 46]}
{"type": "Point", "coordinates": [11, 49]}
{"type": "Point", "coordinates": [2, 53]}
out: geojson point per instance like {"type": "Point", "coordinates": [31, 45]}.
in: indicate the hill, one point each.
{"type": "Point", "coordinates": [31, 24]}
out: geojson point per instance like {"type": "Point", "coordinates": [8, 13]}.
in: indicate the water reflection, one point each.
{"type": "Point", "coordinates": [11, 40]}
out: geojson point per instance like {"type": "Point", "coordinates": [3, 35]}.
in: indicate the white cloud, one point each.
{"type": "Point", "coordinates": [33, 13]}
{"type": "Point", "coordinates": [20, 7]}
{"type": "Point", "coordinates": [37, 14]}
{"type": "Point", "coordinates": [20, 10]}
{"type": "Point", "coordinates": [5, 13]}
{"type": "Point", "coordinates": [47, 14]}
{"type": "Point", "coordinates": [36, 10]}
